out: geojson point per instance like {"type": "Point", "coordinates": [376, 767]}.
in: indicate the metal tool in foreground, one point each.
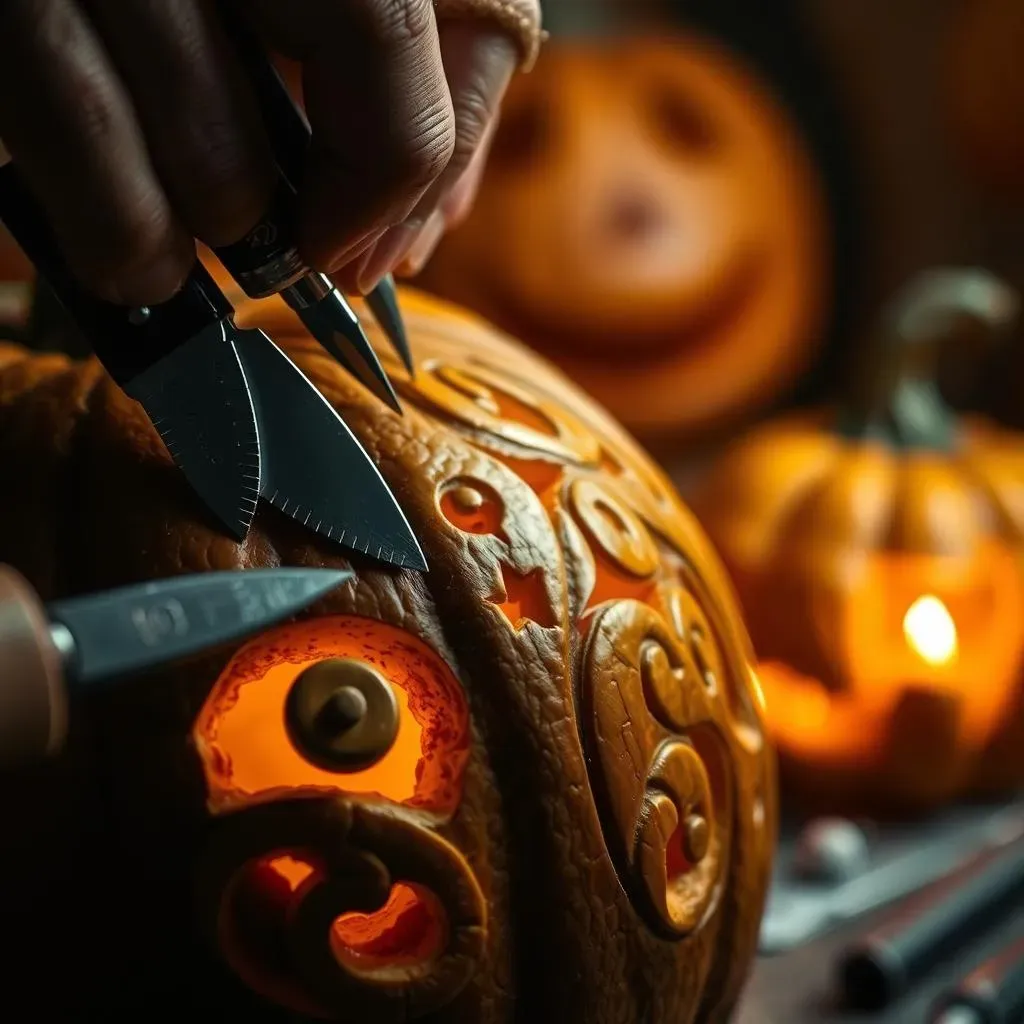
{"type": "Point", "coordinates": [238, 417]}
{"type": "Point", "coordinates": [50, 653]}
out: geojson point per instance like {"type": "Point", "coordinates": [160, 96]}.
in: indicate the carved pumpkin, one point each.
{"type": "Point", "coordinates": [530, 785]}
{"type": "Point", "coordinates": [649, 221]}
{"type": "Point", "coordinates": [877, 553]}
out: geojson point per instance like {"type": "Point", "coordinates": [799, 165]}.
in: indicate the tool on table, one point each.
{"type": "Point", "coordinates": [793, 918]}
{"type": "Point", "coordinates": [239, 418]}
{"type": "Point", "coordinates": [879, 967]}
{"type": "Point", "coordinates": [267, 260]}
{"type": "Point", "coordinates": [54, 651]}
{"type": "Point", "coordinates": [991, 994]}
{"type": "Point", "coordinates": [831, 851]}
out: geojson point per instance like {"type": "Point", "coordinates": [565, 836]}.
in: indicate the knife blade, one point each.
{"type": "Point", "coordinates": [290, 137]}
{"type": "Point", "coordinates": [177, 360]}
{"type": "Point", "coordinates": [51, 652]}
{"type": "Point", "coordinates": [108, 635]}
{"type": "Point", "coordinates": [383, 303]}
{"type": "Point", "coordinates": [334, 489]}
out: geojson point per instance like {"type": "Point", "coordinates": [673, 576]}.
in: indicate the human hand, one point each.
{"type": "Point", "coordinates": [135, 127]}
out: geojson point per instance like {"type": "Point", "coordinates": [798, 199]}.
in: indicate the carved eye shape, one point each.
{"type": "Point", "coordinates": [524, 135]}
{"type": "Point", "coordinates": [270, 731]}
{"type": "Point", "coordinates": [335, 705]}
{"type": "Point", "coordinates": [679, 119]}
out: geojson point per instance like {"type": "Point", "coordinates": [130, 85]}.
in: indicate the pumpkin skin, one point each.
{"type": "Point", "coordinates": [883, 587]}
{"type": "Point", "coordinates": [573, 663]}
{"type": "Point", "coordinates": [650, 221]}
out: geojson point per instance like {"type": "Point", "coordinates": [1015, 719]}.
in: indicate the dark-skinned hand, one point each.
{"type": "Point", "coordinates": [135, 127]}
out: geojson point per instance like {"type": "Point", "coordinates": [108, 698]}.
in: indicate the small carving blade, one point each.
{"type": "Point", "coordinates": [333, 322]}
{"type": "Point", "coordinates": [198, 399]}
{"type": "Point", "coordinates": [383, 303]}
{"type": "Point", "coordinates": [314, 468]}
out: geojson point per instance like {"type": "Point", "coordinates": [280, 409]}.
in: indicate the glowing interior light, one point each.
{"type": "Point", "coordinates": [930, 630]}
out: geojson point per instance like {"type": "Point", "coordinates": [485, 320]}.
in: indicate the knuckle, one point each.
{"type": "Point", "coordinates": [474, 110]}
{"type": "Point", "coordinates": [422, 153]}
{"type": "Point", "coordinates": [400, 23]}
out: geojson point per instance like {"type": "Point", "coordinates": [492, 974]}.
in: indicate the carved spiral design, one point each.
{"type": "Point", "coordinates": [650, 697]}
{"type": "Point", "coordinates": [359, 855]}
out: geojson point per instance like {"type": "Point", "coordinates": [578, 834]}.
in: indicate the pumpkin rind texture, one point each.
{"type": "Point", "coordinates": [651, 221]}
{"type": "Point", "coordinates": [572, 814]}
{"type": "Point", "coordinates": [884, 592]}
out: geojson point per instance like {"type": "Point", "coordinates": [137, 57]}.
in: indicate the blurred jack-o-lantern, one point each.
{"type": "Point", "coordinates": [877, 551]}
{"type": "Point", "coordinates": [650, 221]}
{"type": "Point", "coordinates": [529, 785]}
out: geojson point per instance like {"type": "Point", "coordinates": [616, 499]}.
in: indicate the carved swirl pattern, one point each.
{"type": "Point", "coordinates": [356, 855]}
{"type": "Point", "coordinates": [663, 683]}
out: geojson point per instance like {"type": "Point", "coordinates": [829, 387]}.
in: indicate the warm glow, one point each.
{"type": "Point", "coordinates": [930, 630]}
{"type": "Point", "coordinates": [245, 748]}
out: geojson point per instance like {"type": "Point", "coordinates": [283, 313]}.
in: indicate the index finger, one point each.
{"type": "Point", "coordinates": [380, 110]}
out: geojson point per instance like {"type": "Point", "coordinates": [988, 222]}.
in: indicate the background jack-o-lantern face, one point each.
{"type": "Point", "coordinates": [530, 785]}
{"type": "Point", "coordinates": [877, 548]}
{"type": "Point", "coordinates": [650, 221]}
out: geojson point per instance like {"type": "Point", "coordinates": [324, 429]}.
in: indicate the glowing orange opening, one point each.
{"type": "Point", "coordinates": [676, 861]}
{"type": "Point", "coordinates": [408, 931]}
{"type": "Point", "coordinates": [248, 757]}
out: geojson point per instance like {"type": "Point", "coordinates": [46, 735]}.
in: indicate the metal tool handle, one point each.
{"type": "Point", "coordinates": [267, 260]}
{"type": "Point", "coordinates": [127, 341]}
{"type": "Point", "coordinates": [33, 708]}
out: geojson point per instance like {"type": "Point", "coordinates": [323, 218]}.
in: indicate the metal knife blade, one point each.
{"type": "Point", "coordinates": [192, 389]}
{"type": "Point", "coordinates": [314, 468]}
{"type": "Point", "coordinates": [199, 402]}
{"type": "Point", "coordinates": [333, 322]}
{"type": "Point", "coordinates": [383, 303]}
{"type": "Point", "coordinates": [131, 629]}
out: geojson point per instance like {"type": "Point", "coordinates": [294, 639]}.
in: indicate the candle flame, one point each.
{"type": "Point", "coordinates": [930, 630]}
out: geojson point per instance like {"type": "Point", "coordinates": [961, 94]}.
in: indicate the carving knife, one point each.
{"type": "Point", "coordinates": [49, 653]}
{"type": "Point", "coordinates": [322, 308]}
{"type": "Point", "coordinates": [177, 360]}
{"type": "Point", "coordinates": [235, 412]}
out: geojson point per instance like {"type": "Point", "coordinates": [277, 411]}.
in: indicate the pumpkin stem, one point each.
{"type": "Point", "coordinates": [896, 399]}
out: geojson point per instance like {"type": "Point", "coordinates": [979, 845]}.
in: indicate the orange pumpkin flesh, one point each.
{"type": "Point", "coordinates": [883, 586]}
{"type": "Point", "coordinates": [579, 729]}
{"type": "Point", "coordinates": [649, 221]}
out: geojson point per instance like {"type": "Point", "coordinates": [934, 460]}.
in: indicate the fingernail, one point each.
{"type": "Point", "coordinates": [423, 248]}
{"type": "Point", "coordinates": [356, 249]}
{"type": "Point", "coordinates": [391, 249]}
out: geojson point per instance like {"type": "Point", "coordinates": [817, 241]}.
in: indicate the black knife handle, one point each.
{"type": "Point", "coordinates": [285, 121]}
{"type": "Point", "coordinates": [267, 260]}
{"type": "Point", "coordinates": [127, 341]}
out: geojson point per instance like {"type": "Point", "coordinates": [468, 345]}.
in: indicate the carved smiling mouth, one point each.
{"type": "Point", "coordinates": [322, 904]}
{"type": "Point", "coordinates": [691, 330]}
